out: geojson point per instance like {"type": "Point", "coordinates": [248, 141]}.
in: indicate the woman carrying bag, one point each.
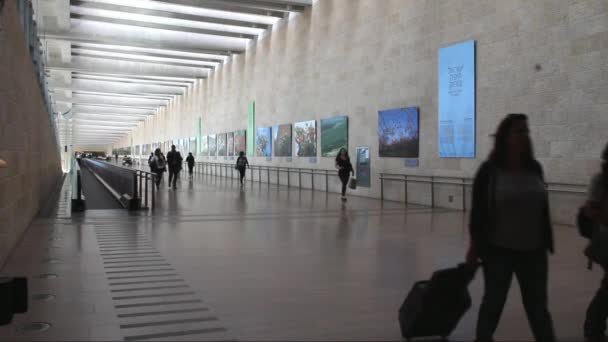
{"type": "Point", "coordinates": [345, 169]}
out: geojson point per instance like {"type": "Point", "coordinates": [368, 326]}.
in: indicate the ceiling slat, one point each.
{"type": "Point", "coordinates": [129, 7]}
{"type": "Point", "coordinates": [165, 27]}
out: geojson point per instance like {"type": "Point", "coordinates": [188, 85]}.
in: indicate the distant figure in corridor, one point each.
{"type": "Point", "coordinates": [190, 161]}
{"type": "Point", "coordinates": [241, 165]}
{"type": "Point", "coordinates": [596, 209]}
{"type": "Point", "coordinates": [159, 165]}
{"type": "Point", "coordinates": [511, 230]}
{"type": "Point", "coordinates": [150, 162]}
{"type": "Point", "coordinates": [345, 168]}
{"type": "Point", "coordinates": [174, 159]}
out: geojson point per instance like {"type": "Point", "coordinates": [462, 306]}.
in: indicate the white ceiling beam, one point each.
{"type": "Point", "coordinates": [139, 7]}
{"type": "Point", "coordinates": [129, 68]}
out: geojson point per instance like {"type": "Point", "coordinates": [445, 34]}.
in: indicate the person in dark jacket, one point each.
{"type": "Point", "coordinates": [241, 165]}
{"type": "Point", "coordinates": [190, 161]}
{"type": "Point", "coordinates": [345, 169]}
{"type": "Point", "coordinates": [150, 163]}
{"type": "Point", "coordinates": [511, 230]}
{"type": "Point", "coordinates": [174, 159]}
{"type": "Point", "coordinates": [596, 208]}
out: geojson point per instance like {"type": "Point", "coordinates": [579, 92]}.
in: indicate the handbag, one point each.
{"type": "Point", "coordinates": [353, 183]}
{"type": "Point", "coordinates": [597, 250]}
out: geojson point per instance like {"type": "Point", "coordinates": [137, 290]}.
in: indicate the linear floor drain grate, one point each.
{"type": "Point", "coordinates": [51, 261]}
{"type": "Point", "coordinates": [33, 327]}
{"type": "Point", "coordinates": [43, 297]}
{"type": "Point", "coordinates": [48, 276]}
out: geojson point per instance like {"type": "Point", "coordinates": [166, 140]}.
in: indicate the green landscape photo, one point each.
{"type": "Point", "coordinates": [334, 135]}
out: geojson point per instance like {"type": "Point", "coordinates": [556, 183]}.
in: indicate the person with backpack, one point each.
{"type": "Point", "coordinates": [174, 160]}
{"type": "Point", "coordinates": [241, 165]}
{"type": "Point", "coordinates": [345, 168]}
{"type": "Point", "coordinates": [159, 165]}
{"type": "Point", "coordinates": [190, 161]}
{"type": "Point", "coordinates": [593, 224]}
{"type": "Point", "coordinates": [511, 232]}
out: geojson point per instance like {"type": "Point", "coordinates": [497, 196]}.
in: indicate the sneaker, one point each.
{"type": "Point", "coordinates": [343, 198]}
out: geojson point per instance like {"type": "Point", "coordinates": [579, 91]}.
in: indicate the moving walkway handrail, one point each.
{"type": "Point", "coordinates": [141, 188]}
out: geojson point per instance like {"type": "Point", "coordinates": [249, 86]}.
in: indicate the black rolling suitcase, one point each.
{"type": "Point", "coordinates": [434, 307]}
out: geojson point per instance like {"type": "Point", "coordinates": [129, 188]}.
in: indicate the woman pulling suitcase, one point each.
{"type": "Point", "coordinates": [511, 230]}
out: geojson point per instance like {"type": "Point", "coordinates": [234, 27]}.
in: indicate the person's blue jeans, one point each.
{"type": "Point", "coordinates": [531, 269]}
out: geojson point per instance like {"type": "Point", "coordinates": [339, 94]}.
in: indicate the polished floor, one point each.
{"type": "Point", "coordinates": [219, 262]}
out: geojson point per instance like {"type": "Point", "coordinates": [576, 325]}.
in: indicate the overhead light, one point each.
{"type": "Point", "coordinates": [120, 115]}
{"type": "Point", "coordinates": [127, 95]}
{"type": "Point", "coordinates": [174, 53]}
{"type": "Point", "coordinates": [165, 21]}
{"type": "Point", "coordinates": [150, 79]}
{"type": "Point", "coordinates": [187, 38]}
{"type": "Point", "coordinates": [143, 57]}
{"type": "Point", "coordinates": [177, 8]}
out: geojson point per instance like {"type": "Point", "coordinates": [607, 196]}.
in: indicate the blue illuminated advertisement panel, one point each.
{"type": "Point", "coordinates": [457, 100]}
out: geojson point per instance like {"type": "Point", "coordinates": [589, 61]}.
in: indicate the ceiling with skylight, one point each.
{"type": "Point", "coordinates": [113, 63]}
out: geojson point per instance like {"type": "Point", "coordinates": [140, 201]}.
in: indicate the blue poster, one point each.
{"type": "Point", "coordinates": [457, 101]}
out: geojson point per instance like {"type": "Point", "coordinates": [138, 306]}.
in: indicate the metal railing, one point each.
{"type": "Point", "coordinates": [464, 184]}
{"type": "Point", "coordinates": [271, 174]}
{"type": "Point", "coordinates": [406, 179]}
{"type": "Point", "coordinates": [134, 186]}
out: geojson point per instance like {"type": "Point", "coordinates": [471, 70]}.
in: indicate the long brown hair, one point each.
{"type": "Point", "coordinates": [501, 147]}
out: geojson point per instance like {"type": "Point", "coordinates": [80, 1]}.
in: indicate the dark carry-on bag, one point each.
{"type": "Point", "coordinates": [434, 307]}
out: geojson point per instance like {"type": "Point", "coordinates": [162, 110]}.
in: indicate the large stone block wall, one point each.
{"type": "Point", "coordinates": [27, 142]}
{"type": "Point", "coordinates": [546, 58]}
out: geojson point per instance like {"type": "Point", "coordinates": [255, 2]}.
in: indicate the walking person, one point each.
{"type": "Point", "coordinates": [511, 231]}
{"type": "Point", "coordinates": [345, 169]}
{"type": "Point", "coordinates": [174, 160]}
{"type": "Point", "coordinates": [190, 161]}
{"type": "Point", "coordinates": [150, 162]}
{"type": "Point", "coordinates": [159, 166]}
{"type": "Point", "coordinates": [596, 209]}
{"type": "Point", "coordinates": [241, 165]}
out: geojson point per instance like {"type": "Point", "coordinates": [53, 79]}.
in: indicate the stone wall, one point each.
{"type": "Point", "coordinates": [546, 58]}
{"type": "Point", "coordinates": [27, 141]}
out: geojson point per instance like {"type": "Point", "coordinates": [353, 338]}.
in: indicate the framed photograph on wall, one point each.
{"type": "Point", "coordinates": [398, 133]}
{"type": "Point", "coordinates": [221, 145]}
{"type": "Point", "coordinates": [305, 138]}
{"type": "Point", "coordinates": [212, 145]}
{"type": "Point", "coordinates": [240, 141]}
{"type": "Point", "coordinates": [263, 142]}
{"type": "Point", "coordinates": [281, 139]}
{"type": "Point", "coordinates": [230, 144]}
{"type": "Point", "coordinates": [334, 135]}
{"type": "Point", "coordinates": [204, 146]}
